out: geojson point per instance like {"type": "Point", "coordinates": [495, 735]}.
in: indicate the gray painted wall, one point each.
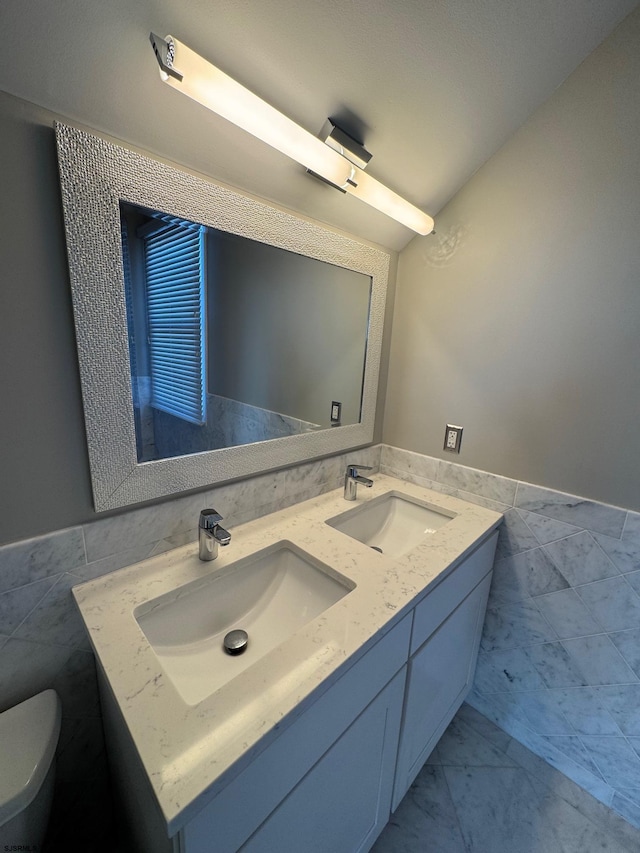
{"type": "Point", "coordinates": [520, 320]}
{"type": "Point", "coordinates": [43, 457]}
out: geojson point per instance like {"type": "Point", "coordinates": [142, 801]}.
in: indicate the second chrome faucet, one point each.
{"type": "Point", "coordinates": [352, 478]}
{"type": "Point", "coordinates": [211, 534]}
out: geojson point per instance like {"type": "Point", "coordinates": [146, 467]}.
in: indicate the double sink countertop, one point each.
{"type": "Point", "coordinates": [191, 752]}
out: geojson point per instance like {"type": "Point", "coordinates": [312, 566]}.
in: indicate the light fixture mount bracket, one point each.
{"type": "Point", "coordinates": [164, 51]}
{"type": "Point", "coordinates": [352, 150]}
{"type": "Point", "coordinates": [337, 138]}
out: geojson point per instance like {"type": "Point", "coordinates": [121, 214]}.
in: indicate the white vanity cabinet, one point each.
{"type": "Point", "coordinates": [444, 649]}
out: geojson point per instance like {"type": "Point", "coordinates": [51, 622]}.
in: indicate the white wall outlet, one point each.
{"type": "Point", "coordinates": [452, 438]}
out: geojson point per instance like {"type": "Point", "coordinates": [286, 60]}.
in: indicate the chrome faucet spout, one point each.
{"type": "Point", "coordinates": [211, 534]}
{"type": "Point", "coordinates": [351, 479]}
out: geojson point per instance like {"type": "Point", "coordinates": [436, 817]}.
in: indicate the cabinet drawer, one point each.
{"type": "Point", "coordinates": [441, 601]}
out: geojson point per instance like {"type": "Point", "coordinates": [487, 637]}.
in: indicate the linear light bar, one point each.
{"type": "Point", "coordinates": [188, 72]}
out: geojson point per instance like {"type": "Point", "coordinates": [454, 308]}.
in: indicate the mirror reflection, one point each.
{"type": "Point", "coordinates": [233, 341]}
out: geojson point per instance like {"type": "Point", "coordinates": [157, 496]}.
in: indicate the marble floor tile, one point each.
{"type": "Point", "coordinates": [470, 800]}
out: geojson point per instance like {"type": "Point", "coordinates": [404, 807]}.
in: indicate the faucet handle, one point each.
{"type": "Point", "coordinates": [209, 518]}
{"type": "Point", "coordinates": [354, 467]}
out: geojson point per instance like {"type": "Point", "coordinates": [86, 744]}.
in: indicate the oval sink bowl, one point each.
{"type": "Point", "coordinates": [270, 595]}
{"type": "Point", "coordinates": [391, 524]}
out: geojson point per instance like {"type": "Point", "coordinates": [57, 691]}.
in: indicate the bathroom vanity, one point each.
{"type": "Point", "coordinates": [364, 620]}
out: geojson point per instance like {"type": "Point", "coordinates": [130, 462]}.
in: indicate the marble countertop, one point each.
{"type": "Point", "coordinates": [191, 752]}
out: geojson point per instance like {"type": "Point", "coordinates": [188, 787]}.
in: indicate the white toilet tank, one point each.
{"type": "Point", "coordinates": [28, 739]}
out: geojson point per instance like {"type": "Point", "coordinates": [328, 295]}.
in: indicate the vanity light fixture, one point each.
{"type": "Point", "coordinates": [338, 161]}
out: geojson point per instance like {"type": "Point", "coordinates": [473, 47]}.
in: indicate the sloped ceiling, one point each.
{"type": "Point", "coordinates": [434, 87]}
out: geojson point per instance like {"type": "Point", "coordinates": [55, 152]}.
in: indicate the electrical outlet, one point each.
{"type": "Point", "coordinates": [336, 412]}
{"type": "Point", "coordinates": [452, 438]}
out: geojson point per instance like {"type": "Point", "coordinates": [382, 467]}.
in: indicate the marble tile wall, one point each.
{"type": "Point", "coordinates": [42, 638]}
{"type": "Point", "coordinates": [559, 664]}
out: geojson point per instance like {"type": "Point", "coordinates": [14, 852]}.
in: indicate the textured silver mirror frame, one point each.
{"type": "Point", "coordinates": [95, 175]}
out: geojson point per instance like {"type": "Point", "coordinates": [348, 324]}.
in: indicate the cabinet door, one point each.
{"type": "Point", "coordinates": [439, 677]}
{"type": "Point", "coordinates": [344, 802]}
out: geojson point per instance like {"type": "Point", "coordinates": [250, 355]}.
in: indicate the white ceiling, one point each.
{"type": "Point", "coordinates": [435, 86]}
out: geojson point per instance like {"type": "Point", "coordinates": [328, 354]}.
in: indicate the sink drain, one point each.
{"type": "Point", "coordinates": [376, 548]}
{"type": "Point", "coordinates": [235, 642]}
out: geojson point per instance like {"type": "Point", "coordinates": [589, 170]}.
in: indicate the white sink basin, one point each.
{"type": "Point", "coordinates": [270, 595]}
{"type": "Point", "coordinates": [392, 524]}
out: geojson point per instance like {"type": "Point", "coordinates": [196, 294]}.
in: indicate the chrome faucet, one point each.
{"type": "Point", "coordinates": [210, 534]}
{"type": "Point", "coordinates": [352, 478]}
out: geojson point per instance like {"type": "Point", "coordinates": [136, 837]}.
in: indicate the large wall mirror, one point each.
{"type": "Point", "coordinates": [217, 336]}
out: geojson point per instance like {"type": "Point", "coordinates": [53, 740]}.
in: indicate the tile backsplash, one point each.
{"type": "Point", "coordinates": [559, 663]}
{"type": "Point", "coordinates": [559, 666]}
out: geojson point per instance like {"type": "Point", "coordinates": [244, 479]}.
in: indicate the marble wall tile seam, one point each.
{"type": "Point", "coordinates": [483, 483]}
{"type": "Point", "coordinates": [32, 543]}
{"type": "Point", "coordinates": [33, 559]}
{"type": "Point", "coordinates": [425, 482]}
{"type": "Point", "coordinates": [55, 619]}
{"type": "Point", "coordinates": [631, 529]}
{"type": "Point", "coordinates": [26, 591]}
{"type": "Point", "coordinates": [473, 497]}
{"type": "Point", "coordinates": [613, 602]}
{"type": "Point", "coordinates": [586, 660]}
{"type": "Point", "coordinates": [507, 673]}
{"type": "Point", "coordinates": [555, 691]}
{"type": "Point", "coordinates": [616, 759]}
{"type": "Point", "coordinates": [577, 568]}
{"type": "Point", "coordinates": [547, 531]}
{"type": "Point", "coordinates": [599, 661]}
{"type": "Point", "coordinates": [574, 749]}
{"type": "Point", "coordinates": [589, 711]}
{"type": "Point", "coordinates": [575, 633]}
